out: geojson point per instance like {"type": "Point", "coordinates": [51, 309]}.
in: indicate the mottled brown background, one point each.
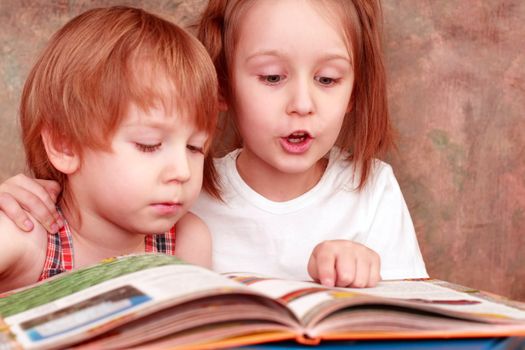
{"type": "Point", "coordinates": [457, 94]}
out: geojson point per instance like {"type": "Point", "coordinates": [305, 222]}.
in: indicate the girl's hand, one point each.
{"type": "Point", "coordinates": [20, 193]}
{"type": "Point", "coordinates": [344, 263]}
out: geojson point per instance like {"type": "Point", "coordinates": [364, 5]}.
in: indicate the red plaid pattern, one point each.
{"type": "Point", "coordinates": [161, 243]}
{"type": "Point", "coordinates": [60, 253]}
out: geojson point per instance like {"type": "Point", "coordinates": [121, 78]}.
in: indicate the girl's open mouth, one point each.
{"type": "Point", "coordinates": [297, 142]}
{"type": "Point", "coordinates": [297, 137]}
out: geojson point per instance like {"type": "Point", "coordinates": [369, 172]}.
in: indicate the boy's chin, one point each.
{"type": "Point", "coordinates": [159, 227]}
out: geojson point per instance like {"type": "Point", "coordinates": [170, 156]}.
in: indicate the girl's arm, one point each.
{"type": "Point", "coordinates": [193, 240]}
{"type": "Point", "coordinates": [22, 257]}
{"type": "Point", "coordinates": [20, 193]}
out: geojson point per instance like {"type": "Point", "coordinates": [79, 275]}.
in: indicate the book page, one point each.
{"type": "Point", "coordinates": [444, 295]}
{"type": "Point", "coordinates": [51, 320]}
{"type": "Point", "coordinates": [309, 300]}
{"type": "Point", "coordinates": [301, 297]}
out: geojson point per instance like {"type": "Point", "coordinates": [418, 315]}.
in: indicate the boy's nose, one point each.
{"type": "Point", "coordinates": [177, 168]}
{"type": "Point", "coordinates": [301, 101]}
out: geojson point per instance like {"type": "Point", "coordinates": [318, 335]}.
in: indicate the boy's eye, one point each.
{"type": "Point", "coordinates": [272, 78]}
{"type": "Point", "coordinates": [195, 149]}
{"type": "Point", "coordinates": [147, 148]}
{"type": "Point", "coordinates": [326, 80]}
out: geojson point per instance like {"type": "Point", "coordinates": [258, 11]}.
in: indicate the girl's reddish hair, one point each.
{"type": "Point", "coordinates": [366, 132]}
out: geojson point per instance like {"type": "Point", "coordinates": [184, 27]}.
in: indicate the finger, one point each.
{"type": "Point", "coordinates": [24, 189]}
{"type": "Point", "coordinates": [312, 268]}
{"type": "Point", "coordinates": [362, 273]}
{"type": "Point", "coordinates": [46, 190]}
{"type": "Point", "coordinates": [346, 270]}
{"type": "Point", "coordinates": [375, 272]}
{"type": "Point", "coordinates": [51, 187]}
{"type": "Point", "coordinates": [326, 269]}
{"type": "Point", "coordinates": [34, 205]}
{"type": "Point", "coordinates": [12, 209]}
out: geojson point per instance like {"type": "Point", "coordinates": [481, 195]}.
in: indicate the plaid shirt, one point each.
{"type": "Point", "coordinates": [60, 253]}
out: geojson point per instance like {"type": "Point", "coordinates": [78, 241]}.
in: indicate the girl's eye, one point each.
{"type": "Point", "coordinates": [326, 81]}
{"type": "Point", "coordinates": [195, 149]}
{"type": "Point", "coordinates": [271, 79]}
{"type": "Point", "coordinates": [147, 148]}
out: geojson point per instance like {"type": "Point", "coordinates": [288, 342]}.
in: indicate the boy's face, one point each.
{"type": "Point", "coordinates": [293, 78]}
{"type": "Point", "coordinates": [149, 179]}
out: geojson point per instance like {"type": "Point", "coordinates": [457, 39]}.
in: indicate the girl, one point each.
{"type": "Point", "coordinates": [303, 193]}
{"type": "Point", "coordinates": [118, 110]}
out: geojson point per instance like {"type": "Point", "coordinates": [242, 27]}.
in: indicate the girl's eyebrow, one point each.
{"type": "Point", "coordinates": [261, 53]}
{"type": "Point", "coordinates": [276, 53]}
{"type": "Point", "coordinates": [336, 57]}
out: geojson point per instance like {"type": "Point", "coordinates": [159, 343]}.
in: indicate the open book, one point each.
{"type": "Point", "coordinates": [156, 301]}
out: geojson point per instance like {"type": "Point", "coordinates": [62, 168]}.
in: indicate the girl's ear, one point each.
{"type": "Point", "coordinates": [223, 105]}
{"type": "Point", "coordinates": [351, 103]}
{"type": "Point", "coordinates": [60, 153]}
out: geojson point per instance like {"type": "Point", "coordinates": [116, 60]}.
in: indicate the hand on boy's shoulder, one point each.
{"type": "Point", "coordinates": [22, 255]}
{"type": "Point", "coordinates": [193, 240]}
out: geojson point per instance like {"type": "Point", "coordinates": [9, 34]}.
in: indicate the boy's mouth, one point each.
{"type": "Point", "coordinates": [167, 208]}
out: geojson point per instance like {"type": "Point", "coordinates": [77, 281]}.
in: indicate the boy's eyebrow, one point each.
{"type": "Point", "coordinates": [146, 122]}
{"type": "Point", "coordinates": [155, 123]}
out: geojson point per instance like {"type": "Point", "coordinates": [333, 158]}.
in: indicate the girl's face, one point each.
{"type": "Point", "coordinates": [149, 179]}
{"type": "Point", "coordinates": [292, 78]}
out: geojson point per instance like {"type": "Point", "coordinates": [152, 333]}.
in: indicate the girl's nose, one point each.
{"type": "Point", "coordinates": [301, 101]}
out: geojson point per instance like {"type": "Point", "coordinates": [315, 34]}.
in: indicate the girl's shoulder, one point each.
{"type": "Point", "coordinates": [226, 160]}
{"type": "Point", "coordinates": [347, 172]}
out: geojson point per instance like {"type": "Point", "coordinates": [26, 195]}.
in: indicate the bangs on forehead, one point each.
{"type": "Point", "coordinates": [343, 17]}
{"type": "Point", "coordinates": [152, 85]}
{"type": "Point", "coordinates": [175, 75]}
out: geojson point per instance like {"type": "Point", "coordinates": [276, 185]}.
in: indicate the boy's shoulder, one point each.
{"type": "Point", "coordinates": [23, 254]}
{"type": "Point", "coordinates": [189, 221]}
{"type": "Point", "coordinates": [193, 242]}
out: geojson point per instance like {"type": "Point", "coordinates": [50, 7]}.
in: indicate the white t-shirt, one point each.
{"type": "Point", "coordinates": [253, 234]}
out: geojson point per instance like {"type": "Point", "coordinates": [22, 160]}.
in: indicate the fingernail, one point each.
{"type": "Point", "coordinates": [60, 223]}
{"type": "Point", "coordinates": [54, 228]}
{"type": "Point", "coordinates": [327, 282]}
{"type": "Point", "coordinates": [28, 224]}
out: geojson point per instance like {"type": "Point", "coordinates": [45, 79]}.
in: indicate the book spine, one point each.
{"type": "Point", "coordinates": [305, 340]}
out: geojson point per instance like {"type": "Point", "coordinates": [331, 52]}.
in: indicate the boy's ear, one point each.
{"type": "Point", "coordinates": [60, 153]}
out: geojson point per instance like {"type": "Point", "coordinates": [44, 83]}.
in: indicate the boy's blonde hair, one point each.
{"type": "Point", "coordinates": [98, 64]}
{"type": "Point", "coordinates": [366, 131]}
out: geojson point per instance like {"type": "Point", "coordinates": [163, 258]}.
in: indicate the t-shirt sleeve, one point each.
{"type": "Point", "coordinates": [392, 233]}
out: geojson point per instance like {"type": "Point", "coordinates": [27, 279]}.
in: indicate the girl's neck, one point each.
{"type": "Point", "coordinates": [94, 238]}
{"type": "Point", "coordinates": [276, 185]}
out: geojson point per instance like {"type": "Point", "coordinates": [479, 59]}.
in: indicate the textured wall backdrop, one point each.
{"type": "Point", "coordinates": [457, 97]}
